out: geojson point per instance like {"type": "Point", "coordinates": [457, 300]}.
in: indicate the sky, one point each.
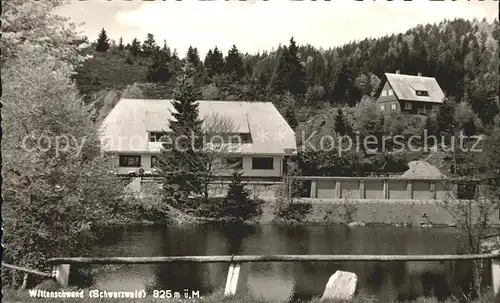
{"type": "Point", "coordinates": [258, 25]}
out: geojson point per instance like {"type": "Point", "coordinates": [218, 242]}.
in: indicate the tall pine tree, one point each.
{"type": "Point", "coordinates": [289, 74]}
{"type": "Point", "coordinates": [181, 160]}
{"type": "Point", "coordinates": [291, 118]}
{"type": "Point", "coordinates": [234, 65]}
{"type": "Point", "coordinates": [120, 44]}
{"type": "Point", "coordinates": [193, 57]}
{"type": "Point", "coordinates": [445, 118]}
{"type": "Point", "coordinates": [238, 206]}
{"type": "Point", "coordinates": [341, 125]}
{"type": "Point", "coordinates": [135, 47]}
{"type": "Point", "coordinates": [149, 46]}
{"type": "Point", "coordinates": [102, 42]}
{"type": "Point", "coordinates": [214, 63]}
{"type": "Point", "coordinates": [161, 68]}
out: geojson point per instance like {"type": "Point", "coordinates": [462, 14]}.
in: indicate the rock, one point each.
{"type": "Point", "coordinates": [341, 286]}
{"type": "Point", "coordinates": [356, 224]}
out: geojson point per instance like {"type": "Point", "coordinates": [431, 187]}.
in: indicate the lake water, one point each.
{"type": "Point", "coordinates": [284, 282]}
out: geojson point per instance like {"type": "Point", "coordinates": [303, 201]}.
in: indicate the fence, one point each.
{"type": "Point", "coordinates": [238, 264]}
{"type": "Point", "coordinates": [390, 188]}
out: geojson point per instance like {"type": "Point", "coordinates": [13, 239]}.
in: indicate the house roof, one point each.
{"type": "Point", "coordinates": [126, 127]}
{"type": "Point", "coordinates": [404, 87]}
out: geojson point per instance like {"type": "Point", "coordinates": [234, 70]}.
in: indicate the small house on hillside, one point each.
{"type": "Point", "coordinates": [135, 130]}
{"type": "Point", "coordinates": [409, 94]}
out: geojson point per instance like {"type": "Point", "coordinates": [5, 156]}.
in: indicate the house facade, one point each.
{"type": "Point", "coordinates": [409, 94]}
{"type": "Point", "coordinates": [255, 139]}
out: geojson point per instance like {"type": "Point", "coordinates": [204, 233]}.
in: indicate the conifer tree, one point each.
{"type": "Point", "coordinates": [149, 46]}
{"type": "Point", "coordinates": [234, 64]}
{"type": "Point", "coordinates": [102, 42]}
{"type": "Point", "coordinates": [120, 44]}
{"type": "Point", "coordinates": [445, 117]}
{"type": "Point", "coordinates": [135, 47]}
{"type": "Point", "coordinates": [341, 125]}
{"type": "Point", "coordinates": [289, 74]}
{"type": "Point", "coordinates": [161, 68]}
{"type": "Point", "coordinates": [431, 125]}
{"type": "Point", "coordinates": [181, 158]}
{"type": "Point", "coordinates": [291, 118]}
{"type": "Point", "coordinates": [214, 63]}
{"type": "Point", "coordinates": [238, 205]}
{"type": "Point", "coordinates": [193, 57]}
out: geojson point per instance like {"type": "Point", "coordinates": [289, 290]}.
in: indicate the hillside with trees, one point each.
{"type": "Point", "coordinates": [461, 54]}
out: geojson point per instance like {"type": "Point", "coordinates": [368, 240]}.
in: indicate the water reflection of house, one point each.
{"type": "Point", "coordinates": [134, 129]}
{"type": "Point", "coordinates": [409, 94]}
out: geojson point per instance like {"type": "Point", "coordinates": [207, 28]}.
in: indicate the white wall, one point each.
{"type": "Point", "coordinates": [247, 166]}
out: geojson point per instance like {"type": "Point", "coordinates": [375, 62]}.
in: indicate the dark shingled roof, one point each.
{"type": "Point", "coordinates": [404, 87]}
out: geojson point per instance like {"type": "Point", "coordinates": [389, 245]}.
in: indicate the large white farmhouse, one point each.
{"type": "Point", "coordinates": [133, 129]}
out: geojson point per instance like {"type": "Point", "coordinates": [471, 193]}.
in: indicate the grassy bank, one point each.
{"type": "Point", "coordinates": [13, 296]}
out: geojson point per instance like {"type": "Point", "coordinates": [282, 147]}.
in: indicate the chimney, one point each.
{"type": "Point", "coordinates": [397, 72]}
{"type": "Point", "coordinates": [419, 74]}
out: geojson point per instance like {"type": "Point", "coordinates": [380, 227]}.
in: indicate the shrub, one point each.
{"type": "Point", "coordinates": [290, 211]}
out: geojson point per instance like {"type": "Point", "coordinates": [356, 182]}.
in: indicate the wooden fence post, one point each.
{"type": "Point", "coordinates": [409, 189]}
{"type": "Point", "coordinates": [432, 188]}
{"type": "Point", "coordinates": [362, 192]}
{"type": "Point", "coordinates": [338, 189]}
{"type": "Point", "coordinates": [313, 189]}
{"type": "Point", "coordinates": [289, 185]}
{"type": "Point", "coordinates": [386, 189]}
{"type": "Point", "coordinates": [495, 274]}
{"type": "Point", "coordinates": [61, 273]}
{"type": "Point", "coordinates": [236, 279]}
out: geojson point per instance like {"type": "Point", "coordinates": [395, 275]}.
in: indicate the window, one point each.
{"type": "Point", "coordinates": [393, 106]}
{"type": "Point", "coordinates": [466, 190]}
{"type": "Point", "coordinates": [263, 163]}
{"type": "Point", "coordinates": [421, 110]}
{"type": "Point", "coordinates": [408, 105]}
{"type": "Point", "coordinates": [422, 93]}
{"type": "Point", "coordinates": [390, 92]}
{"type": "Point", "coordinates": [234, 163]}
{"type": "Point", "coordinates": [130, 161]}
{"type": "Point", "coordinates": [230, 138]}
{"type": "Point", "coordinates": [157, 136]}
{"type": "Point", "coordinates": [382, 107]}
{"type": "Point", "coordinates": [154, 161]}
{"type": "Point", "coordinates": [384, 93]}
{"type": "Point", "coordinates": [246, 138]}
{"type": "Point", "coordinates": [435, 108]}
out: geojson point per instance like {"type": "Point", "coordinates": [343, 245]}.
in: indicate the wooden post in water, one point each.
{"type": "Point", "coordinates": [495, 273]}
{"type": "Point", "coordinates": [490, 244]}
{"type": "Point", "coordinates": [386, 189]}
{"type": "Point", "coordinates": [362, 192]}
{"type": "Point", "coordinates": [313, 189]}
{"type": "Point", "coordinates": [61, 273]}
{"type": "Point", "coordinates": [237, 277]}
{"type": "Point", "coordinates": [409, 189]}
{"type": "Point", "coordinates": [432, 188]}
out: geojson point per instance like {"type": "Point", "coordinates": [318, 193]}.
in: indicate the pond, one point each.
{"type": "Point", "coordinates": [284, 282]}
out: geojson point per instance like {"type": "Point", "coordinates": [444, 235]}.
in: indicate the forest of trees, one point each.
{"type": "Point", "coordinates": [461, 54]}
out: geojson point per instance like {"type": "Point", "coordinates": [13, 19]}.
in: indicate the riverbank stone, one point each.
{"type": "Point", "coordinates": [356, 224]}
{"type": "Point", "coordinates": [341, 287]}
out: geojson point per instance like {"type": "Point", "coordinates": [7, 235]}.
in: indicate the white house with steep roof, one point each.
{"type": "Point", "coordinates": [409, 94]}
{"type": "Point", "coordinates": [134, 128]}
